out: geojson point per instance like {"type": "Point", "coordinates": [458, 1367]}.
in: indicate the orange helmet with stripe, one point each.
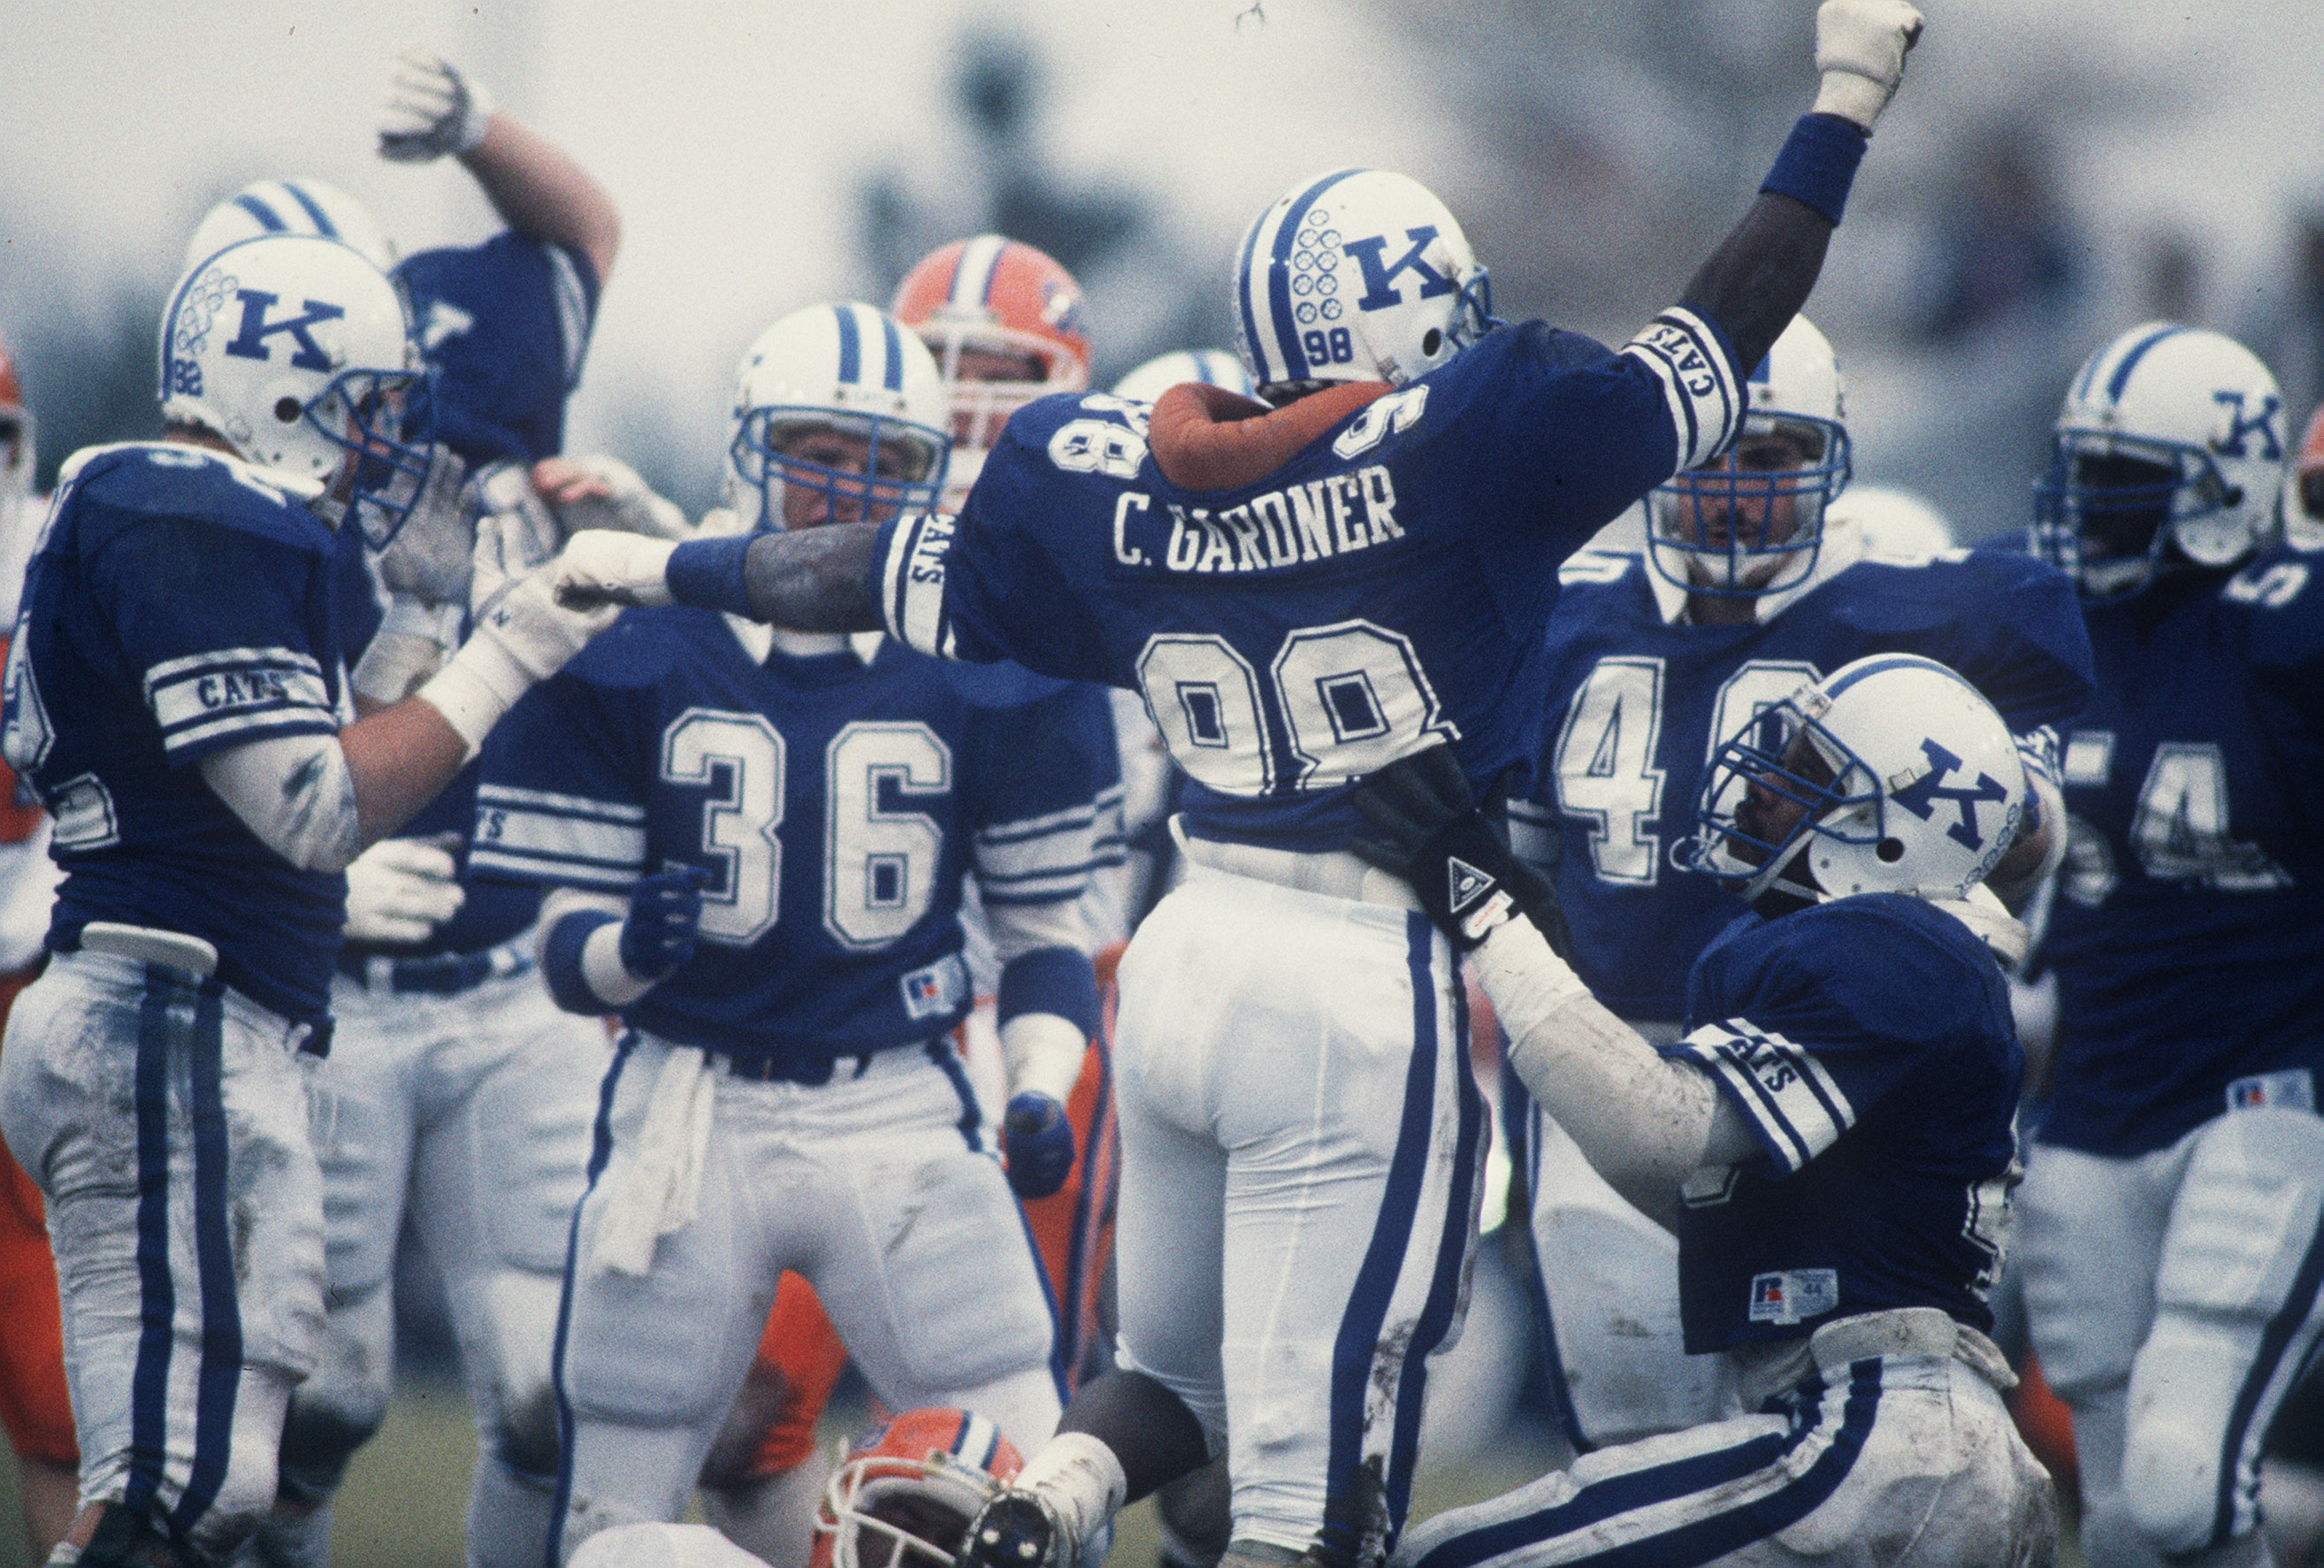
{"type": "Point", "coordinates": [903, 1496]}
{"type": "Point", "coordinates": [1005, 321]}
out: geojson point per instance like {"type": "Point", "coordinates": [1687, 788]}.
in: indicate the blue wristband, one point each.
{"type": "Point", "coordinates": [561, 961]}
{"type": "Point", "coordinates": [1054, 980]}
{"type": "Point", "coordinates": [708, 572]}
{"type": "Point", "coordinates": [1816, 166]}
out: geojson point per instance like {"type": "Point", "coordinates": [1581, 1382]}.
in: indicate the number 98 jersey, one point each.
{"type": "Point", "coordinates": [836, 799]}
{"type": "Point", "coordinates": [1381, 590]}
{"type": "Point", "coordinates": [2188, 932]}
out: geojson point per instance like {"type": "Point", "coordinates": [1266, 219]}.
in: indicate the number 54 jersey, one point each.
{"type": "Point", "coordinates": [2188, 933]}
{"type": "Point", "coordinates": [837, 799]}
{"type": "Point", "coordinates": [1380, 590]}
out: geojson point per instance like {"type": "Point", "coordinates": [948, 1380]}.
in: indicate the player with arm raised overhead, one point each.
{"type": "Point", "coordinates": [1303, 595]}
{"type": "Point", "coordinates": [1754, 577]}
{"type": "Point", "coordinates": [1831, 1139]}
{"type": "Point", "coordinates": [178, 697]}
{"type": "Point", "coordinates": [758, 839]}
{"type": "Point", "coordinates": [2173, 1231]}
{"type": "Point", "coordinates": [454, 1081]}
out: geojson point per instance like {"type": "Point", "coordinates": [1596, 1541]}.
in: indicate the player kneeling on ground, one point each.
{"type": "Point", "coordinates": [1830, 1140]}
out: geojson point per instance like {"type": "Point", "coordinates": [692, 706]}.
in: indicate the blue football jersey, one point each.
{"type": "Point", "coordinates": [835, 802]}
{"type": "Point", "coordinates": [1382, 591]}
{"type": "Point", "coordinates": [1639, 703]}
{"type": "Point", "coordinates": [505, 326]}
{"type": "Point", "coordinates": [2188, 932]}
{"type": "Point", "coordinates": [1868, 1044]}
{"type": "Point", "coordinates": [179, 604]}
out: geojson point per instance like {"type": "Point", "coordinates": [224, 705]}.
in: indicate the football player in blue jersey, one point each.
{"type": "Point", "coordinates": [178, 699]}
{"type": "Point", "coordinates": [1752, 578]}
{"type": "Point", "coordinates": [453, 1081]}
{"type": "Point", "coordinates": [2172, 1245]}
{"type": "Point", "coordinates": [1304, 592]}
{"type": "Point", "coordinates": [757, 840]}
{"type": "Point", "coordinates": [1830, 1137]}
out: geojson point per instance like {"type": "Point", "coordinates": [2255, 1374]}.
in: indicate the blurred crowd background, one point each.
{"type": "Point", "coordinates": [2057, 171]}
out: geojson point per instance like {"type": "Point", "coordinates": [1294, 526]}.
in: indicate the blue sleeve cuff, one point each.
{"type": "Point", "coordinates": [561, 961]}
{"type": "Point", "coordinates": [1052, 980]}
{"type": "Point", "coordinates": [709, 573]}
{"type": "Point", "coordinates": [1817, 164]}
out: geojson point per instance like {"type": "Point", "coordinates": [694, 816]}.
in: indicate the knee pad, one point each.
{"type": "Point", "coordinates": [2229, 1334]}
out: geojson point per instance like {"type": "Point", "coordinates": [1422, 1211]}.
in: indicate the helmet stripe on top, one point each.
{"type": "Point", "coordinates": [1279, 273]}
{"type": "Point", "coordinates": [2131, 356]}
{"type": "Point", "coordinates": [980, 262]}
{"type": "Point", "coordinates": [893, 380]}
{"type": "Point", "coordinates": [314, 210]}
{"type": "Point", "coordinates": [850, 346]}
{"type": "Point", "coordinates": [265, 216]}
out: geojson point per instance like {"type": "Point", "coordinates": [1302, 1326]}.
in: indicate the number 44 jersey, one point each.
{"type": "Point", "coordinates": [1381, 590]}
{"type": "Point", "coordinates": [836, 799]}
{"type": "Point", "coordinates": [2188, 933]}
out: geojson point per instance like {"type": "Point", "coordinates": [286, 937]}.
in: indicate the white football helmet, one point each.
{"type": "Point", "coordinates": [847, 368]}
{"type": "Point", "coordinates": [1750, 521]}
{"type": "Point", "coordinates": [1210, 366]}
{"type": "Point", "coordinates": [1356, 275]}
{"type": "Point", "coordinates": [1891, 775]}
{"type": "Point", "coordinates": [297, 352]}
{"type": "Point", "coordinates": [906, 1492]}
{"type": "Point", "coordinates": [304, 206]}
{"type": "Point", "coordinates": [1895, 520]}
{"type": "Point", "coordinates": [2170, 437]}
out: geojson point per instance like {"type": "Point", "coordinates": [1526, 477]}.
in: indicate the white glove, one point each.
{"type": "Point", "coordinates": [601, 566]}
{"type": "Point", "coordinates": [400, 889]}
{"type": "Point", "coordinates": [413, 639]}
{"type": "Point", "coordinates": [515, 530]}
{"type": "Point", "coordinates": [523, 636]}
{"type": "Point", "coordinates": [628, 506]}
{"type": "Point", "coordinates": [431, 109]}
{"type": "Point", "coordinates": [430, 557]}
{"type": "Point", "coordinates": [1860, 47]}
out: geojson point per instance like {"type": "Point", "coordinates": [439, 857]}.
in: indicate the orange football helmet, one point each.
{"type": "Point", "coordinates": [2308, 473]}
{"type": "Point", "coordinates": [15, 431]}
{"type": "Point", "coordinates": [906, 1492]}
{"type": "Point", "coordinates": [1005, 321]}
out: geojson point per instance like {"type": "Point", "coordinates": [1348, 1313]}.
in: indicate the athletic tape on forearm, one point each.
{"type": "Point", "coordinates": [1043, 1053]}
{"type": "Point", "coordinates": [1818, 163]}
{"type": "Point", "coordinates": [1638, 1118]}
{"type": "Point", "coordinates": [1082, 1479]}
{"type": "Point", "coordinates": [709, 572]}
{"type": "Point", "coordinates": [581, 960]}
{"type": "Point", "coordinates": [476, 688]}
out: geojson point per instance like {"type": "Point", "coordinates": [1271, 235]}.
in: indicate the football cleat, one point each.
{"type": "Point", "coordinates": [1016, 1529]}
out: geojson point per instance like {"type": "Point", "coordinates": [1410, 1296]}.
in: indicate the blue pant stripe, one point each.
{"type": "Point", "coordinates": [601, 1150]}
{"type": "Point", "coordinates": [1357, 1347]}
{"type": "Point", "coordinates": [1705, 1539]}
{"type": "Point", "coordinates": [972, 1117]}
{"type": "Point", "coordinates": [1452, 1265]}
{"type": "Point", "coordinates": [157, 1296]}
{"type": "Point", "coordinates": [2299, 1305]}
{"type": "Point", "coordinates": [218, 1380]}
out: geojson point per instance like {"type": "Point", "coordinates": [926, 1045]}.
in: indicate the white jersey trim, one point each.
{"type": "Point", "coordinates": [1699, 389]}
{"type": "Point", "coordinates": [912, 584]}
{"type": "Point", "coordinates": [571, 839]}
{"type": "Point", "coordinates": [1795, 1106]}
{"type": "Point", "coordinates": [251, 691]}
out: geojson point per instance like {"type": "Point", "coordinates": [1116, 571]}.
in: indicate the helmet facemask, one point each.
{"type": "Point", "coordinates": [1751, 522]}
{"type": "Point", "coordinates": [1770, 790]}
{"type": "Point", "coordinates": [2111, 506]}
{"type": "Point", "coordinates": [383, 418]}
{"type": "Point", "coordinates": [865, 467]}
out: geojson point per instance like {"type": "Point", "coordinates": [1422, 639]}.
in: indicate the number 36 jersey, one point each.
{"type": "Point", "coordinates": [836, 799]}
{"type": "Point", "coordinates": [1381, 590]}
{"type": "Point", "coordinates": [2188, 933]}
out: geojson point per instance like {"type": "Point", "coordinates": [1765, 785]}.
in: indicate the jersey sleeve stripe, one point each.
{"type": "Point", "coordinates": [247, 693]}
{"type": "Point", "coordinates": [1797, 1109]}
{"type": "Point", "coordinates": [561, 839]}
{"type": "Point", "coordinates": [1699, 388]}
{"type": "Point", "coordinates": [575, 311]}
{"type": "Point", "coordinates": [912, 582]}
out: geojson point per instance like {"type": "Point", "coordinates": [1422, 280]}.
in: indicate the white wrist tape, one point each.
{"type": "Point", "coordinates": [1043, 1053]}
{"type": "Point", "coordinates": [1082, 1479]}
{"type": "Point", "coordinates": [604, 973]}
{"type": "Point", "coordinates": [480, 685]}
